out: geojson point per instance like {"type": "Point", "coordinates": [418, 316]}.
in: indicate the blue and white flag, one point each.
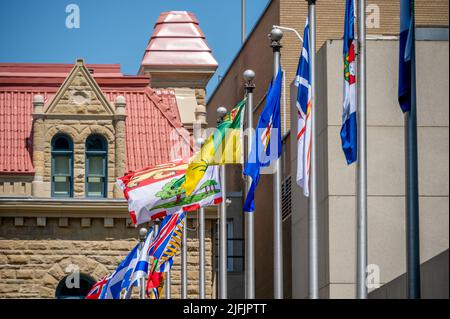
{"type": "Point", "coordinates": [122, 273]}
{"type": "Point", "coordinates": [140, 269]}
{"type": "Point", "coordinates": [406, 48]}
{"type": "Point", "coordinates": [268, 133]}
{"type": "Point", "coordinates": [302, 81]}
{"type": "Point", "coordinates": [349, 128]}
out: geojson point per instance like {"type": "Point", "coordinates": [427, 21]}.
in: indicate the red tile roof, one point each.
{"type": "Point", "coordinates": [177, 40]}
{"type": "Point", "coordinates": [152, 115]}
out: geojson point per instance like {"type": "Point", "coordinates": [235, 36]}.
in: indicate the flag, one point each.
{"type": "Point", "coordinates": [97, 288]}
{"type": "Point", "coordinates": [155, 284]}
{"type": "Point", "coordinates": [268, 133]}
{"type": "Point", "coordinates": [163, 249]}
{"type": "Point", "coordinates": [302, 81]}
{"type": "Point", "coordinates": [224, 146]}
{"type": "Point", "coordinates": [167, 242]}
{"type": "Point", "coordinates": [349, 129]}
{"type": "Point", "coordinates": [141, 268]}
{"type": "Point", "coordinates": [406, 47]}
{"type": "Point", "coordinates": [155, 192]}
{"type": "Point", "coordinates": [114, 286]}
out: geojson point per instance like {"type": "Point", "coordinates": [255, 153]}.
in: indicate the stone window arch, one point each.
{"type": "Point", "coordinates": [96, 166]}
{"type": "Point", "coordinates": [61, 166]}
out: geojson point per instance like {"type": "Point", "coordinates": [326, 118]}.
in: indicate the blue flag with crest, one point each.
{"type": "Point", "coordinates": [266, 145]}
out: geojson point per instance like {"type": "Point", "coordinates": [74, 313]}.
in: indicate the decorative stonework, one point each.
{"type": "Point", "coordinates": [78, 110]}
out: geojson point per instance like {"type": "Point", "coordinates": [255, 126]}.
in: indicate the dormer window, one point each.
{"type": "Point", "coordinates": [96, 177]}
{"type": "Point", "coordinates": [62, 166]}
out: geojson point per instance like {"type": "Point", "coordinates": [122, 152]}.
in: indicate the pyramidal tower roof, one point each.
{"type": "Point", "coordinates": [177, 43]}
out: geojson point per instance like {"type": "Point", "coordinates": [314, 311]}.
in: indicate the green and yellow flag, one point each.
{"type": "Point", "coordinates": [224, 146]}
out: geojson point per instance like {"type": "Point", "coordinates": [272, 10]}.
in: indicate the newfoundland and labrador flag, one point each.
{"type": "Point", "coordinates": [156, 192]}
{"type": "Point", "coordinates": [302, 81]}
{"type": "Point", "coordinates": [349, 128]}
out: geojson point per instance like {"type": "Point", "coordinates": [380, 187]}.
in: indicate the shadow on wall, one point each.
{"type": "Point", "coordinates": [434, 281]}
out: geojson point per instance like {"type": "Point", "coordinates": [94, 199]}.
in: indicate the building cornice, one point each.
{"type": "Point", "coordinates": [73, 207]}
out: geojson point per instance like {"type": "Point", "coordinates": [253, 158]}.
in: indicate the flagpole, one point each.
{"type": "Point", "coordinates": [249, 75]}
{"type": "Point", "coordinates": [361, 164]}
{"type": "Point", "coordinates": [142, 235]}
{"type": "Point", "coordinates": [313, 218]}
{"type": "Point", "coordinates": [221, 112]}
{"type": "Point", "coordinates": [412, 187]}
{"type": "Point", "coordinates": [201, 248]}
{"type": "Point", "coordinates": [243, 35]}
{"type": "Point", "coordinates": [167, 286]}
{"type": "Point", "coordinates": [275, 36]}
{"type": "Point", "coordinates": [201, 239]}
{"type": "Point", "coordinates": [184, 261]}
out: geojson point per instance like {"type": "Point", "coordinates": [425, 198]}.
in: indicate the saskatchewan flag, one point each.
{"type": "Point", "coordinates": [223, 146]}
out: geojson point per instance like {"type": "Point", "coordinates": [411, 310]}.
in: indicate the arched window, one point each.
{"type": "Point", "coordinates": [69, 289]}
{"type": "Point", "coordinates": [96, 179]}
{"type": "Point", "coordinates": [62, 166]}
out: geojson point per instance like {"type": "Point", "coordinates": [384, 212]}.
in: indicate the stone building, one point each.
{"type": "Point", "coordinates": [67, 132]}
{"type": "Point", "coordinates": [336, 187]}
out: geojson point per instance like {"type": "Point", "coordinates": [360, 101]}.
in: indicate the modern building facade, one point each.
{"type": "Point", "coordinates": [67, 132]}
{"type": "Point", "coordinates": [386, 181]}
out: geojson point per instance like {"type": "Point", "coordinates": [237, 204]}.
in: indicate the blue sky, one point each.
{"type": "Point", "coordinates": [114, 31]}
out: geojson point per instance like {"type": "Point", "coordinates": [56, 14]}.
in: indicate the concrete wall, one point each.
{"type": "Point", "coordinates": [386, 179]}
{"type": "Point", "coordinates": [257, 55]}
{"type": "Point", "coordinates": [434, 281]}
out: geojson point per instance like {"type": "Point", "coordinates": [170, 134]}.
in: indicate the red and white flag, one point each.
{"type": "Point", "coordinates": [155, 192]}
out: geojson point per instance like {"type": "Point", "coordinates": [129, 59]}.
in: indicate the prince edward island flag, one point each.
{"type": "Point", "coordinates": [155, 192]}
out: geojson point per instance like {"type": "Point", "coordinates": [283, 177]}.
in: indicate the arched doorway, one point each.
{"type": "Point", "coordinates": [66, 291]}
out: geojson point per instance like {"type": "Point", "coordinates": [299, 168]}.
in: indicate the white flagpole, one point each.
{"type": "Point", "coordinates": [275, 36]}
{"type": "Point", "coordinates": [249, 75]}
{"type": "Point", "coordinates": [142, 235]}
{"type": "Point", "coordinates": [201, 251]}
{"type": "Point", "coordinates": [167, 286]}
{"type": "Point", "coordinates": [361, 168]}
{"type": "Point", "coordinates": [313, 219]}
{"type": "Point", "coordinates": [201, 240]}
{"type": "Point", "coordinates": [184, 261]}
{"type": "Point", "coordinates": [223, 253]}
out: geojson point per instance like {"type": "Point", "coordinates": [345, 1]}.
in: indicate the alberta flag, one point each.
{"type": "Point", "coordinates": [302, 81]}
{"type": "Point", "coordinates": [349, 128]}
{"type": "Point", "coordinates": [406, 47]}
